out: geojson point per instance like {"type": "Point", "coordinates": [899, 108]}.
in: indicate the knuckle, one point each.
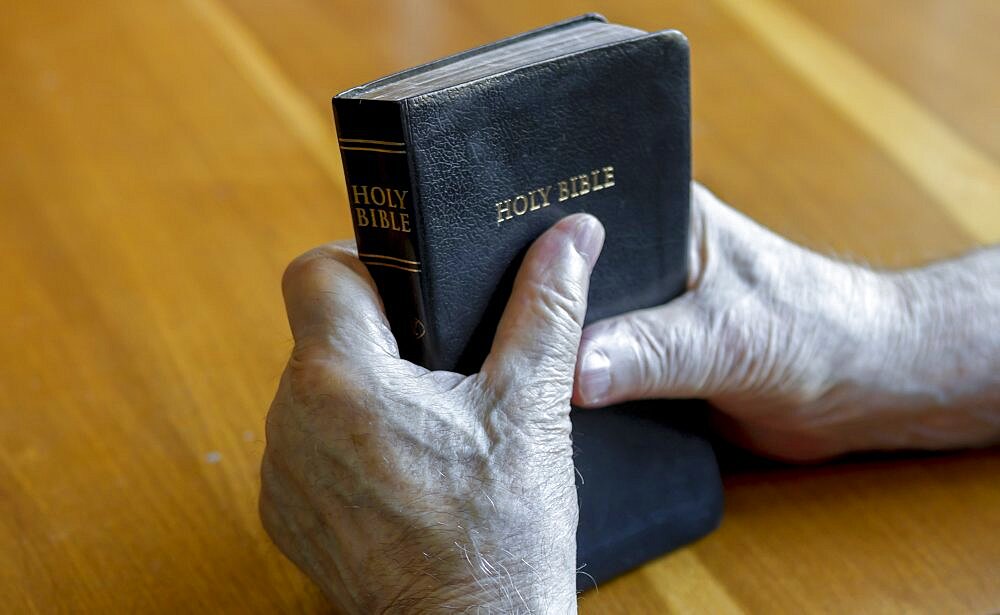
{"type": "Point", "coordinates": [312, 353]}
{"type": "Point", "coordinates": [559, 300]}
{"type": "Point", "coordinates": [318, 351]}
{"type": "Point", "coordinates": [652, 354]}
{"type": "Point", "coordinates": [348, 247]}
{"type": "Point", "coordinates": [320, 390]}
{"type": "Point", "coordinates": [274, 424]}
{"type": "Point", "coordinates": [300, 267]}
{"type": "Point", "coordinates": [317, 261]}
{"type": "Point", "coordinates": [669, 356]}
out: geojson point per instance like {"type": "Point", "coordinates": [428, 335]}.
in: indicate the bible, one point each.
{"type": "Point", "coordinates": [454, 167]}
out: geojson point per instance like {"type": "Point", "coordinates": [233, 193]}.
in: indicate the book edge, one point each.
{"type": "Point", "coordinates": [430, 342]}
{"type": "Point", "coordinates": [352, 92]}
{"type": "Point", "coordinates": [667, 34]}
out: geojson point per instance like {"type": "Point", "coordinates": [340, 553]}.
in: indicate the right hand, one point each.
{"type": "Point", "coordinates": [399, 489]}
{"type": "Point", "coordinates": [806, 357]}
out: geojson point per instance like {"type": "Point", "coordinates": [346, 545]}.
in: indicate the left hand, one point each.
{"type": "Point", "coordinates": [807, 357]}
{"type": "Point", "coordinates": [396, 488]}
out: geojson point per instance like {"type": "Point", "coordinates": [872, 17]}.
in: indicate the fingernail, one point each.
{"type": "Point", "coordinates": [595, 376]}
{"type": "Point", "coordinates": [588, 238]}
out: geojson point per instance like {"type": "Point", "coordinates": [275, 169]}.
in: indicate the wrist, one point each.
{"type": "Point", "coordinates": [920, 376]}
{"type": "Point", "coordinates": [871, 342]}
{"type": "Point", "coordinates": [924, 354]}
{"type": "Point", "coordinates": [955, 307]}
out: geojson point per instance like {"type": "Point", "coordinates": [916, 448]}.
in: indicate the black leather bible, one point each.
{"type": "Point", "coordinates": [453, 168]}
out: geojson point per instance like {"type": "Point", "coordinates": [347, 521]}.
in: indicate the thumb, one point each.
{"type": "Point", "coordinates": [662, 352]}
{"type": "Point", "coordinates": [539, 334]}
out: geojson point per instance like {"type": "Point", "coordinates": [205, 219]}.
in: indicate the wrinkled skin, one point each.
{"type": "Point", "coordinates": [397, 489]}
{"type": "Point", "coordinates": [403, 490]}
{"type": "Point", "coordinates": [807, 357]}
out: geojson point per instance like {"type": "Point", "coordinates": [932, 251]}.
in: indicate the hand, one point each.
{"type": "Point", "coordinates": [399, 489]}
{"type": "Point", "coordinates": [806, 357]}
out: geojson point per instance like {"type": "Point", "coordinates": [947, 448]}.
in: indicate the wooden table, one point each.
{"type": "Point", "coordinates": [160, 163]}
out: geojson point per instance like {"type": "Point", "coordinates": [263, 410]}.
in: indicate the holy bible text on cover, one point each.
{"type": "Point", "coordinates": [453, 168]}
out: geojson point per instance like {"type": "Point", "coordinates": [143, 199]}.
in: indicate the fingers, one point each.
{"type": "Point", "coordinates": [663, 352]}
{"type": "Point", "coordinates": [659, 352]}
{"type": "Point", "coordinates": [539, 333]}
{"type": "Point", "coordinates": [333, 306]}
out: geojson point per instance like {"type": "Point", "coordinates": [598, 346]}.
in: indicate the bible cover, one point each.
{"type": "Point", "coordinates": [449, 185]}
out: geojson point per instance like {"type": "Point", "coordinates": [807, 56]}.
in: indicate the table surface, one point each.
{"type": "Point", "coordinates": [162, 161]}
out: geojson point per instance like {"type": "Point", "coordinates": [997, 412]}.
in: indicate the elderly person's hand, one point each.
{"type": "Point", "coordinates": [399, 489]}
{"type": "Point", "coordinates": [808, 357]}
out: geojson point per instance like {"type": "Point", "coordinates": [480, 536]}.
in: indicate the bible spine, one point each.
{"type": "Point", "coordinates": [382, 200]}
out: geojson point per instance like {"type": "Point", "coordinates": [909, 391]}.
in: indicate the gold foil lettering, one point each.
{"type": "Point", "coordinates": [378, 195]}
{"type": "Point", "coordinates": [594, 184]}
{"type": "Point", "coordinates": [383, 198]}
{"type": "Point", "coordinates": [609, 176]}
{"type": "Point", "coordinates": [363, 193]}
{"type": "Point", "coordinates": [563, 191]}
{"type": "Point", "coordinates": [503, 211]}
{"type": "Point", "coordinates": [570, 188]}
{"type": "Point", "coordinates": [545, 195]}
{"type": "Point", "coordinates": [519, 199]}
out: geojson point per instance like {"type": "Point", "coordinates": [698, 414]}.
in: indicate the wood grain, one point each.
{"type": "Point", "coordinates": [961, 178]}
{"type": "Point", "coordinates": [161, 162]}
